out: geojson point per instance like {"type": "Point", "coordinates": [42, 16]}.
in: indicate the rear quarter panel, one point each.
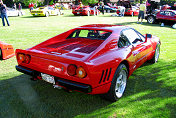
{"type": "Point", "coordinates": [7, 50]}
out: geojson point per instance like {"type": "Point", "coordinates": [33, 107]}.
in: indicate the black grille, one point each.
{"type": "Point", "coordinates": [105, 75]}
{"type": "Point", "coordinates": [87, 49]}
{"type": "Point", "coordinates": [71, 47]}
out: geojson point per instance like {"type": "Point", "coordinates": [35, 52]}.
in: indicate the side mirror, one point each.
{"type": "Point", "coordinates": [147, 36]}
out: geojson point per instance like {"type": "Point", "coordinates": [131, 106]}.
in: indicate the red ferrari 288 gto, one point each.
{"type": "Point", "coordinates": [94, 59]}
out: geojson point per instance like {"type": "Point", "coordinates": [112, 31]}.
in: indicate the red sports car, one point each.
{"type": "Point", "coordinates": [168, 16]}
{"type": "Point", "coordinates": [6, 50]}
{"type": "Point", "coordinates": [134, 11]}
{"type": "Point", "coordinates": [94, 59]}
{"type": "Point", "coordinates": [84, 11]}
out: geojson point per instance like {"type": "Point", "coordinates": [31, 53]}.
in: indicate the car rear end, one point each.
{"type": "Point", "coordinates": [81, 11]}
{"type": "Point", "coordinates": [7, 50]}
{"type": "Point", "coordinates": [38, 12]}
{"type": "Point", "coordinates": [53, 69]}
{"type": "Point", "coordinates": [63, 64]}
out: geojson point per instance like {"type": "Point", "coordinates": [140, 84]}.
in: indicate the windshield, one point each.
{"type": "Point", "coordinates": [91, 34]}
{"type": "Point", "coordinates": [174, 11]}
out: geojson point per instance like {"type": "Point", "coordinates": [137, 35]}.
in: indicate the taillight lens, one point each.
{"type": "Point", "coordinates": [27, 59]}
{"type": "Point", "coordinates": [71, 69]}
{"type": "Point", "coordinates": [22, 58]}
{"type": "Point", "coordinates": [80, 72]}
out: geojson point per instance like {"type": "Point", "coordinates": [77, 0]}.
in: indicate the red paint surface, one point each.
{"type": "Point", "coordinates": [83, 11]}
{"type": "Point", "coordinates": [171, 16]}
{"type": "Point", "coordinates": [7, 50]}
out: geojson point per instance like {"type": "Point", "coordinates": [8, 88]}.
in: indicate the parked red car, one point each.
{"type": "Point", "coordinates": [168, 16]}
{"type": "Point", "coordinates": [94, 59]}
{"type": "Point", "coordinates": [134, 11]}
{"type": "Point", "coordinates": [6, 50]}
{"type": "Point", "coordinates": [84, 11]}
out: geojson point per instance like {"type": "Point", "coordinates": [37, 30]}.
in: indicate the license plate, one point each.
{"type": "Point", "coordinates": [36, 14]}
{"type": "Point", "coordinates": [48, 78]}
{"type": "Point", "coordinates": [78, 13]}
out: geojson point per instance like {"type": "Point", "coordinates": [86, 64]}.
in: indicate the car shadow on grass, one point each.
{"type": "Point", "coordinates": [20, 97]}
{"type": "Point", "coordinates": [74, 16]}
{"type": "Point", "coordinates": [32, 16]}
{"type": "Point", "coordinates": [147, 90]}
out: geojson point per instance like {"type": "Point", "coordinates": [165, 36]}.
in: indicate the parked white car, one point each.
{"type": "Point", "coordinates": [14, 12]}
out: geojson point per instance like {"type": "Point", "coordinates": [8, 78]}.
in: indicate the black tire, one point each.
{"type": "Point", "coordinates": [151, 19]}
{"type": "Point", "coordinates": [0, 54]}
{"type": "Point", "coordinates": [119, 79]}
{"type": "Point", "coordinates": [156, 55]}
{"type": "Point", "coordinates": [19, 14]}
{"type": "Point", "coordinates": [58, 13]}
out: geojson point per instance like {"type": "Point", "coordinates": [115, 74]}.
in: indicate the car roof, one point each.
{"type": "Point", "coordinates": [104, 27]}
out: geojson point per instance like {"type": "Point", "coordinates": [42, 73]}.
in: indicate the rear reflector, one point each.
{"type": "Point", "coordinates": [71, 69]}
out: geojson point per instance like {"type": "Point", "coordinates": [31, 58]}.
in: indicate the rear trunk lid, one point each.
{"type": "Point", "coordinates": [77, 49]}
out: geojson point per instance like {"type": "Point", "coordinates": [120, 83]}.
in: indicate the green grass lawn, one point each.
{"type": "Point", "coordinates": [150, 92]}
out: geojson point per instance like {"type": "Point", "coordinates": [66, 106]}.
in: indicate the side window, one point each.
{"type": "Point", "coordinates": [162, 12]}
{"type": "Point", "coordinates": [168, 13]}
{"type": "Point", "coordinates": [141, 36]}
{"type": "Point", "coordinates": [83, 33]}
{"type": "Point", "coordinates": [172, 13]}
{"type": "Point", "coordinates": [132, 36]}
{"type": "Point", "coordinates": [123, 41]}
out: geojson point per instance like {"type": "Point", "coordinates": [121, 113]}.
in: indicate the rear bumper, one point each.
{"type": "Point", "coordinates": [80, 13]}
{"type": "Point", "coordinates": [59, 81]}
{"type": "Point", "coordinates": [38, 14]}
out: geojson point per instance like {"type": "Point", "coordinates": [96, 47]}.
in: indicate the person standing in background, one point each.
{"type": "Point", "coordinates": [3, 11]}
{"type": "Point", "coordinates": [29, 7]}
{"type": "Point", "coordinates": [142, 11]}
{"type": "Point", "coordinates": [102, 7]}
{"type": "Point", "coordinates": [80, 5]}
{"type": "Point", "coordinates": [14, 6]}
{"type": "Point", "coordinates": [20, 8]}
{"type": "Point", "coordinates": [95, 8]}
{"type": "Point", "coordinates": [122, 11]}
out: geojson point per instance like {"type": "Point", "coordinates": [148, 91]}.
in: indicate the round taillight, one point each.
{"type": "Point", "coordinates": [27, 59]}
{"type": "Point", "coordinates": [21, 58]}
{"type": "Point", "coordinates": [71, 69]}
{"type": "Point", "coordinates": [80, 72]}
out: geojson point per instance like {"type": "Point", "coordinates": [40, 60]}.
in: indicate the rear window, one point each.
{"type": "Point", "coordinates": [91, 34]}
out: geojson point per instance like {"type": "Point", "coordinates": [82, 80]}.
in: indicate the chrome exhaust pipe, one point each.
{"type": "Point", "coordinates": [56, 86]}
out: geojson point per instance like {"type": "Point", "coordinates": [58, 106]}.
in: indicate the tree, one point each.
{"type": "Point", "coordinates": [8, 3]}
{"type": "Point", "coordinates": [26, 2]}
{"type": "Point", "coordinates": [85, 2]}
